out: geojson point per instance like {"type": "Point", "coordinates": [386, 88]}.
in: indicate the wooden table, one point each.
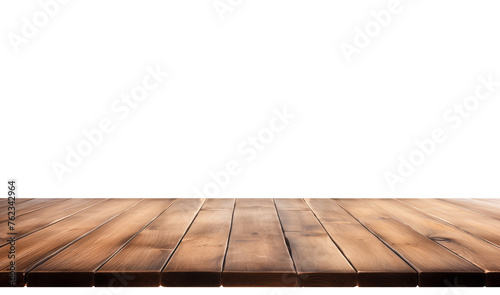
{"type": "Point", "coordinates": [252, 242]}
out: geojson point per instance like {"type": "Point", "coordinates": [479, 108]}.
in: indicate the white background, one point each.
{"type": "Point", "coordinates": [226, 75]}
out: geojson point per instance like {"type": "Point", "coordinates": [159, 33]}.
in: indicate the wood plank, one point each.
{"type": "Point", "coordinates": [31, 206]}
{"type": "Point", "coordinates": [474, 250]}
{"type": "Point", "coordinates": [484, 227]}
{"type": "Point", "coordinates": [489, 209]}
{"type": "Point", "coordinates": [4, 201]}
{"type": "Point", "coordinates": [142, 260]}
{"type": "Point", "coordinates": [255, 242]}
{"type": "Point", "coordinates": [489, 200]}
{"type": "Point", "coordinates": [37, 220]}
{"type": "Point", "coordinates": [198, 261]}
{"type": "Point", "coordinates": [295, 204]}
{"type": "Point", "coordinates": [257, 254]}
{"type": "Point", "coordinates": [376, 264]}
{"type": "Point", "coordinates": [76, 265]}
{"type": "Point", "coordinates": [436, 266]}
{"type": "Point", "coordinates": [41, 245]}
{"type": "Point", "coordinates": [318, 261]}
{"type": "Point", "coordinates": [219, 204]}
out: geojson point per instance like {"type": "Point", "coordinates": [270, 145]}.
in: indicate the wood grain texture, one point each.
{"type": "Point", "coordinates": [474, 250]}
{"type": "Point", "coordinates": [142, 260]}
{"type": "Point", "coordinates": [257, 254]}
{"type": "Point", "coordinates": [376, 264]}
{"type": "Point", "coordinates": [36, 220]}
{"type": "Point", "coordinates": [4, 201]}
{"type": "Point", "coordinates": [489, 201]}
{"type": "Point", "coordinates": [43, 244]}
{"type": "Point", "coordinates": [254, 242]}
{"type": "Point", "coordinates": [318, 261]}
{"type": "Point", "coordinates": [75, 265]}
{"type": "Point", "coordinates": [198, 261]}
{"type": "Point", "coordinates": [436, 266]}
{"type": "Point", "coordinates": [489, 209]}
{"type": "Point", "coordinates": [484, 227]}
{"type": "Point", "coordinates": [31, 206]}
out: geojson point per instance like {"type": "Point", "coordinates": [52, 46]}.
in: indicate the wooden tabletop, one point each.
{"type": "Point", "coordinates": [251, 242]}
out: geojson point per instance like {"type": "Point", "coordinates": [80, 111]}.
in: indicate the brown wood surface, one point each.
{"type": "Point", "coordinates": [198, 261]}
{"type": "Point", "coordinates": [36, 220]}
{"type": "Point", "coordinates": [482, 226]}
{"type": "Point", "coordinates": [31, 206]}
{"type": "Point", "coordinates": [318, 261]}
{"type": "Point", "coordinates": [376, 264]}
{"type": "Point", "coordinates": [142, 260]}
{"type": "Point", "coordinates": [254, 242]}
{"type": "Point", "coordinates": [471, 248]}
{"type": "Point", "coordinates": [75, 265]}
{"type": "Point", "coordinates": [43, 244]}
{"type": "Point", "coordinates": [4, 201]}
{"type": "Point", "coordinates": [489, 201]}
{"type": "Point", "coordinates": [436, 266]}
{"type": "Point", "coordinates": [257, 254]}
{"type": "Point", "coordinates": [489, 209]}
